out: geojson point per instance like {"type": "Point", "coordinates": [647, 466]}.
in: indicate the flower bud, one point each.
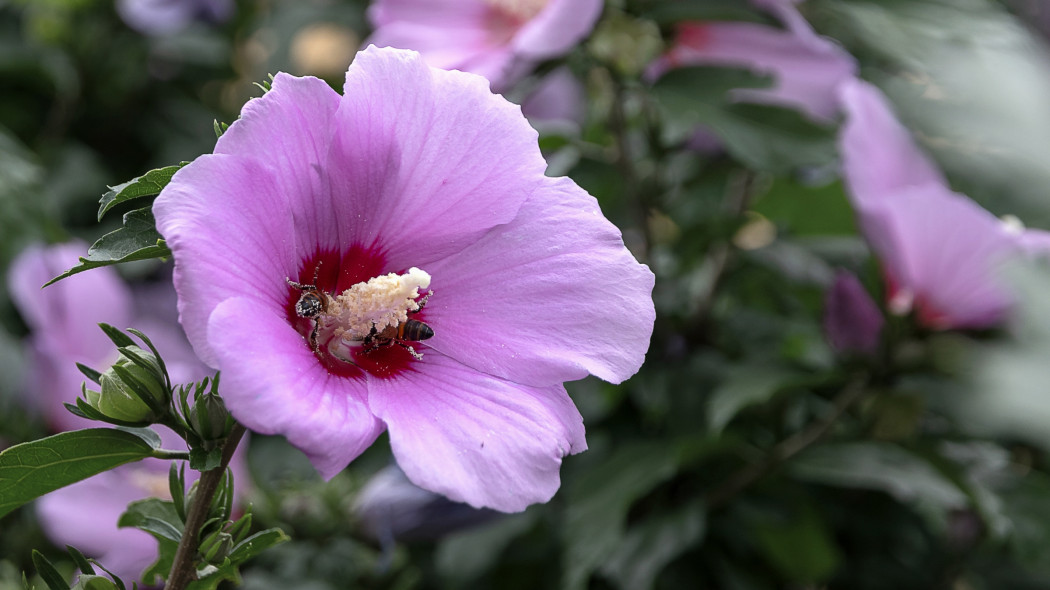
{"type": "Point", "coordinates": [852, 321]}
{"type": "Point", "coordinates": [216, 547]}
{"type": "Point", "coordinates": [130, 392]}
{"type": "Point", "coordinates": [210, 419]}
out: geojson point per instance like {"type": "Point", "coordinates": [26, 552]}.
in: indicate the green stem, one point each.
{"type": "Point", "coordinates": [183, 570]}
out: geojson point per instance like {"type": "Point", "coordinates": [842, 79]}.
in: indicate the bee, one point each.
{"type": "Point", "coordinates": [312, 305]}
{"type": "Point", "coordinates": [410, 330]}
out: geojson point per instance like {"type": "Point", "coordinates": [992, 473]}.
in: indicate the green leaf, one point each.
{"type": "Point", "coordinates": [464, 556]}
{"type": "Point", "coordinates": [149, 184]}
{"type": "Point", "coordinates": [880, 466]}
{"type": "Point", "coordinates": [47, 571]}
{"type": "Point", "coordinates": [157, 517]}
{"type": "Point", "coordinates": [763, 137]}
{"type": "Point", "coordinates": [34, 468]}
{"type": "Point", "coordinates": [137, 240]}
{"type": "Point", "coordinates": [745, 385]}
{"type": "Point", "coordinates": [669, 12]}
{"type": "Point", "coordinates": [177, 489]}
{"type": "Point", "coordinates": [78, 558]}
{"type": "Point", "coordinates": [202, 460]}
{"type": "Point", "coordinates": [90, 373]}
{"type": "Point", "coordinates": [598, 504]}
{"type": "Point", "coordinates": [256, 544]}
{"type": "Point", "coordinates": [647, 548]}
{"type": "Point", "coordinates": [115, 335]}
{"type": "Point", "coordinates": [798, 545]}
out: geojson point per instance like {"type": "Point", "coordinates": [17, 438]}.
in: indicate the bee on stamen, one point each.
{"type": "Point", "coordinates": [407, 331]}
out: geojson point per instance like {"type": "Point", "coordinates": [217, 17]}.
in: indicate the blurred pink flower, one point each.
{"type": "Point", "coordinates": [165, 17]}
{"type": "Point", "coordinates": [411, 168]}
{"type": "Point", "coordinates": [501, 40]}
{"type": "Point", "coordinates": [940, 250]}
{"type": "Point", "coordinates": [805, 67]}
{"type": "Point", "coordinates": [557, 101]}
{"type": "Point", "coordinates": [63, 319]}
{"type": "Point", "coordinates": [852, 322]}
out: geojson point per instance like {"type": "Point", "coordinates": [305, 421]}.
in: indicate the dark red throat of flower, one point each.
{"type": "Point", "coordinates": [333, 272]}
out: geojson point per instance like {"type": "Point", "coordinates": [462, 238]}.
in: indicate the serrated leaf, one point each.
{"type": "Point", "coordinates": [156, 517]}
{"type": "Point", "coordinates": [137, 240]}
{"type": "Point", "coordinates": [34, 468]}
{"type": "Point", "coordinates": [256, 544]}
{"type": "Point", "coordinates": [47, 571]}
{"type": "Point", "coordinates": [149, 184]}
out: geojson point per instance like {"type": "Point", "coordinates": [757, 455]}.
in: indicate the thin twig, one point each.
{"type": "Point", "coordinates": [182, 569]}
{"type": "Point", "coordinates": [789, 447]}
{"type": "Point", "coordinates": [738, 201]}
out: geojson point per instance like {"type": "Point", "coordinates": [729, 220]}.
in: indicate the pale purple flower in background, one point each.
{"type": "Point", "coordinates": [501, 40]}
{"type": "Point", "coordinates": [390, 508]}
{"type": "Point", "coordinates": [939, 250]}
{"type": "Point", "coordinates": [165, 17]}
{"type": "Point", "coordinates": [414, 179]}
{"type": "Point", "coordinates": [806, 68]}
{"type": "Point", "coordinates": [63, 319]}
{"type": "Point", "coordinates": [557, 103]}
{"type": "Point", "coordinates": [852, 321]}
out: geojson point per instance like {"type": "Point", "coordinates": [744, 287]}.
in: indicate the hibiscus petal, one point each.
{"type": "Point", "coordinates": [557, 28]}
{"type": "Point", "coordinates": [551, 296]}
{"type": "Point", "coordinates": [222, 216]}
{"type": "Point", "coordinates": [407, 158]}
{"type": "Point", "coordinates": [273, 384]}
{"type": "Point", "coordinates": [805, 68]}
{"type": "Point", "coordinates": [879, 155]}
{"type": "Point", "coordinates": [65, 315]}
{"type": "Point", "coordinates": [477, 439]}
{"type": "Point", "coordinates": [944, 249]}
{"type": "Point", "coordinates": [450, 34]}
{"type": "Point", "coordinates": [85, 515]}
{"type": "Point", "coordinates": [288, 131]}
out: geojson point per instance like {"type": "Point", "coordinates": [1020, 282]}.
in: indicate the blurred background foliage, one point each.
{"type": "Point", "coordinates": [746, 454]}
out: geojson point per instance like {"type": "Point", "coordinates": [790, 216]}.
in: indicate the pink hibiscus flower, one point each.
{"type": "Point", "coordinates": [940, 251]}
{"type": "Point", "coordinates": [806, 68]}
{"type": "Point", "coordinates": [417, 196]}
{"type": "Point", "coordinates": [64, 320]}
{"type": "Point", "coordinates": [501, 40]}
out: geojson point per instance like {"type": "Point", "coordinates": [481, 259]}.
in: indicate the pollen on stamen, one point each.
{"type": "Point", "coordinates": [380, 302]}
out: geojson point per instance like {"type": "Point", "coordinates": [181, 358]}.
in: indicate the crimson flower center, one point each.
{"type": "Point", "coordinates": [357, 319]}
